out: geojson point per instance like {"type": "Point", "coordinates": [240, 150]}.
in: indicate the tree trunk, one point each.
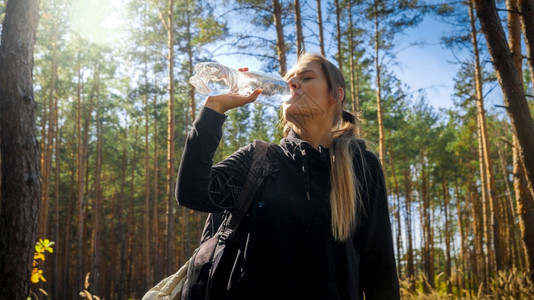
{"type": "Point", "coordinates": [95, 273]}
{"type": "Point", "coordinates": [428, 257]}
{"type": "Point", "coordinates": [80, 167]}
{"type": "Point", "coordinates": [21, 185]}
{"type": "Point", "coordinates": [354, 85]}
{"type": "Point", "coordinates": [338, 36]}
{"type": "Point", "coordinates": [525, 209]}
{"type": "Point", "coordinates": [509, 204]}
{"type": "Point", "coordinates": [169, 253]}
{"type": "Point", "coordinates": [157, 252]}
{"type": "Point", "coordinates": [380, 113]}
{"type": "Point", "coordinates": [461, 230]}
{"type": "Point", "coordinates": [121, 224]}
{"type": "Point", "coordinates": [320, 25]}
{"type": "Point", "coordinates": [67, 253]}
{"type": "Point", "coordinates": [298, 25]}
{"type": "Point", "coordinates": [410, 267]}
{"type": "Point", "coordinates": [131, 220]}
{"type": "Point", "coordinates": [490, 180]}
{"type": "Point", "coordinates": [190, 62]}
{"type": "Point", "coordinates": [523, 197]}
{"type": "Point", "coordinates": [398, 233]}
{"type": "Point", "coordinates": [448, 264]}
{"type": "Point", "coordinates": [484, 216]}
{"type": "Point", "coordinates": [280, 44]}
{"type": "Point", "coordinates": [510, 81]}
{"type": "Point", "coordinates": [146, 212]}
{"type": "Point", "coordinates": [480, 274]}
{"type": "Point", "coordinates": [57, 285]}
{"type": "Point", "coordinates": [47, 147]}
{"type": "Point", "coordinates": [526, 10]}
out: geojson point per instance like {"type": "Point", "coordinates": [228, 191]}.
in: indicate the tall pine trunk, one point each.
{"type": "Point", "coordinates": [338, 36]}
{"type": "Point", "coordinates": [488, 163]}
{"type": "Point", "coordinates": [448, 264]}
{"type": "Point", "coordinates": [121, 226]}
{"type": "Point", "coordinates": [514, 99]}
{"type": "Point", "coordinates": [280, 43]}
{"type": "Point", "coordinates": [320, 27]}
{"type": "Point", "coordinates": [47, 144]}
{"type": "Point", "coordinates": [20, 178]}
{"type": "Point", "coordinates": [146, 212]}
{"type": "Point", "coordinates": [157, 249]}
{"type": "Point", "coordinates": [95, 274]}
{"type": "Point", "coordinates": [526, 11]}
{"type": "Point", "coordinates": [169, 253]}
{"type": "Point", "coordinates": [379, 111]}
{"type": "Point", "coordinates": [354, 84]}
{"type": "Point", "coordinates": [410, 266]}
{"type": "Point", "coordinates": [524, 200]}
{"type": "Point", "coordinates": [461, 231]}
{"type": "Point", "coordinates": [132, 221]}
{"type": "Point", "coordinates": [426, 219]}
{"type": "Point", "coordinates": [298, 29]}
{"type": "Point", "coordinates": [511, 84]}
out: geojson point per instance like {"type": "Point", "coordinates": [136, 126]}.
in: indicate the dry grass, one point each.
{"type": "Point", "coordinates": [85, 293]}
{"type": "Point", "coordinates": [509, 285]}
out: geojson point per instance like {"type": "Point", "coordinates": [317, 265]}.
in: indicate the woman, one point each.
{"type": "Point", "coordinates": [319, 226]}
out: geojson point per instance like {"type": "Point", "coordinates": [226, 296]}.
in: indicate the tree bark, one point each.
{"type": "Point", "coordinates": [510, 81]}
{"type": "Point", "coordinates": [526, 10]}
{"type": "Point", "coordinates": [448, 264]}
{"type": "Point", "coordinates": [525, 209]}
{"type": "Point", "coordinates": [146, 216]}
{"type": "Point", "coordinates": [320, 25]}
{"type": "Point", "coordinates": [354, 84]}
{"type": "Point", "coordinates": [157, 253]}
{"type": "Point", "coordinates": [461, 231]}
{"type": "Point", "coordinates": [121, 227]}
{"type": "Point", "coordinates": [410, 266]}
{"type": "Point", "coordinates": [19, 149]}
{"type": "Point", "coordinates": [190, 62]}
{"type": "Point", "coordinates": [298, 24]}
{"type": "Point", "coordinates": [380, 113]}
{"type": "Point", "coordinates": [47, 147]}
{"type": "Point", "coordinates": [524, 199]}
{"type": "Point", "coordinates": [280, 43]}
{"type": "Point", "coordinates": [169, 253]}
{"type": "Point", "coordinates": [131, 220]}
{"type": "Point", "coordinates": [397, 215]}
{"type": "Point", "coordinates": [338, 36]}
{"type": "Point", "coordinates": [482, 124]}
{"type": "Point", "coordinates": [428, 257]}
{"type": "Point", "coordinates": [95, 273]}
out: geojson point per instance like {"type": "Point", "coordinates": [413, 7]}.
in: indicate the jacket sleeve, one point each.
{"type": "Point", "coordinates": [200, 185]}
{"type": "Point", "coordinates": [378, 274]}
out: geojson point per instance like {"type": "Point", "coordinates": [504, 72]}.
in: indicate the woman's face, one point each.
{"type": "Point", "coordinates": [310, 97]}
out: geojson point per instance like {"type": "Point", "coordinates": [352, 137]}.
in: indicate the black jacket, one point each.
{"type": "Point", "coordinates": [291, 253]}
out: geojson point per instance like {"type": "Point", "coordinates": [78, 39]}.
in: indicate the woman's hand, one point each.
{"type": "Point", "coordinates": [225, 102]}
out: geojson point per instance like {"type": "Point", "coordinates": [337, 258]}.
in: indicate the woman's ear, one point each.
{"type": "Point", "coordinates": [340, 95]}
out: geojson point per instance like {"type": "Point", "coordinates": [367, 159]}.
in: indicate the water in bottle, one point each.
{"type": "Point", "coordinates": [214, 79]}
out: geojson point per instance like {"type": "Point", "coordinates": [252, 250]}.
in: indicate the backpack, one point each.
{"type": "Point", "coordinates": [214, 268]}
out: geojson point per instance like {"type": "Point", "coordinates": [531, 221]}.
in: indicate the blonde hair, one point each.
{"type": "Point", "coordinates": [345, 197]}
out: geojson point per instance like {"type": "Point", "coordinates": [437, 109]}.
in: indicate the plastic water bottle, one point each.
{"type": "Point", "coordinates": [212, 78]}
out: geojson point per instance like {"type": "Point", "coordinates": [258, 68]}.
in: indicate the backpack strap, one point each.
{"type": "Point", "coordinates": [259, 169]}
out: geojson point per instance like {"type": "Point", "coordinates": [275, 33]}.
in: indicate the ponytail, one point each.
{"type": "Point", "coordinates": [345, 198]}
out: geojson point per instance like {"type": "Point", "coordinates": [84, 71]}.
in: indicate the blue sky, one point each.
{"type": "Point", "coordinates": [428, 67]}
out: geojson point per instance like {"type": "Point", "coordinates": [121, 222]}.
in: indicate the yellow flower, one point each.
{"type": "Point", "coordinates": [38, 256]}
{"type": "Point", "coordinates": [37, 275]}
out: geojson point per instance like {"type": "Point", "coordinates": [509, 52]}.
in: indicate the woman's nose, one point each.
{"type": "Point", "coordinates": [293, 83]}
